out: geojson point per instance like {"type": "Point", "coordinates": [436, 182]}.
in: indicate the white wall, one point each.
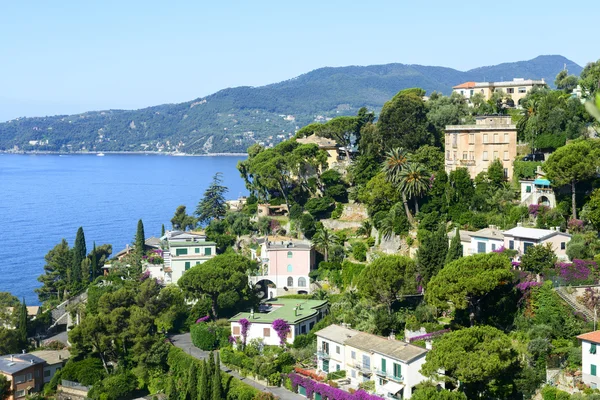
{"type": "Point", "coordinates": [587, 359]}
{"type": "Point", "coordinates": [490, 244]}
{"type": "Point", "coordinates": [410, 373]}
{"type": "Point", "coordinates": [256, 331]}
{"type": "Point", "coordinates": [53, 369]}
{"type": "Point", "coordinates": [335, 358]}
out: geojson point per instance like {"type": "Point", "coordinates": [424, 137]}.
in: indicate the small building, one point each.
{"type": "Point", "coordinates": [520, 239]}
{"type": "Point", "coordinates": [486, 240]}
{"type": "Point", "coordinates": [537, 191]}
{"type": "Point", "coordinates": [590, 358]}
{"type": "Point", "coordinates": [392, 364]}
{"type": "Point", "coordinates": [300, 314]}
{"type": "Point", "coordinates": [267, 210]}
{"type": "Point", "coordinates": [184, 250]}
{"type": "Point", "coordinates": [151, 243]}
{"type": "Point", "coordinates": [238, 204]}
{"type": "Point", "coordinates": [284, 266]}
{"type": "Point", "coordinates": [465, 240]}
{"type": "Point", "coordinates": [475, 147]}
{"type": "Point", "coordinates": [68, 390]}
{"type": "Point", "coordinates": [24, 371]}
{"type": "Point", "coordinates": [55, 360]}
{"type": "Point", "coordinates": [516, 89]}
{"type": "Point", "coordinates": [328, 145]}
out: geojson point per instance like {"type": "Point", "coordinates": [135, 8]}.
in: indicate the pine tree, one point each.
{"type": "Point", "coordinates": [94, 266]}
{"type": "Point", "coordinates": [79, 253]}
{"type": "Point", "coordinates": [192, 387]}
{"type": "Point", "coordinates": [432, 252]}
{"type": "Point", "coordinates": [162, 230]}
{"type": "Point", "coordinates": [217, 390]}
{"type": "Point", "coordinates": [140, 239]}
{"type": "Point", "coordinates": [212, 205]}
{"type": "Point", "coordinates": [456, 249]}
{"type": "Point", "coordinates": [205, 388]}
{"type": "Point", "coordinates": [22, 328]}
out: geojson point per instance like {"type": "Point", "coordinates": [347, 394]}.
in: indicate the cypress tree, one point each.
{"type": "Point", "coordinates": [456, 249]}
{"type": "Point", "coordinates": [432, 253]}
{"type": "Point", "coordinates": [79, 253]}
{"type": "Point", "coordinates": [217, 390]}
{"type": "Point", "coordinates": [140, 239]}
{"type": "Point", "coordinates": [211, 364]}
{"type": "Point", "coordinates": [94, 262]}
{"type": "Point", "coordinates": [22, 328]}
{"type": "Point", "coordinates": [86, 267]}
{"type": "Point", "coordinates": [162, 230]}
{"type": "Point", "coordinates": [205, 389]}
{"type": "Point", "coordinates": [192, 387]}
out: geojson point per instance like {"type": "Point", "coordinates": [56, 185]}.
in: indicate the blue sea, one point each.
{"type": "Point", "coordinates": [44, 198]}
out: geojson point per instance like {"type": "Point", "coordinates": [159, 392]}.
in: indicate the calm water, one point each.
{"type": "Point", "coordinates": [44, 198]}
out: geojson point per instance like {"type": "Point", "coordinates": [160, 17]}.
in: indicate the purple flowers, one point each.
{"type": "Point", "coordinates": [245, 324]}
{"type": "Point", "coordinates": [203, 319]}
{"type": "Point", "coordinates": [534, 209]}
{"type": "Point", "coordinates": [499, 250]}
{"type": "Point", "coordinates": [231, 339]}
{"type": "Point", "coordinates": [575, 225]}
{"type": "Point", "coordinates": [428, 336]}
{"type": "Point", "coordinates": [145, 276]}
{"type": "Point", "coordinates": [326, 391]}
{"type": "Point", "coordinates": [524, 286]}
{"type": "Point", "coordinates": [577, 271]}
{"type": "Point", "coordinates": [282, 328]}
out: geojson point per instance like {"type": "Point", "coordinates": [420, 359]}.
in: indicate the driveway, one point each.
{"type": "Point", "coordinates": [184, 342]}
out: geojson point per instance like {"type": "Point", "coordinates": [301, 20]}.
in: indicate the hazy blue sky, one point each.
{"type": "Point", "coordinates": [69, 56]}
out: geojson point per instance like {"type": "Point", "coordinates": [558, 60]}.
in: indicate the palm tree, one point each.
{"type": "Point", "coordinates": [414, 181]}
{"type": "Point", "coordinates": [365, 228]}
{"type": "Point", "coordinates": [323, 241]}
{"type": "Point", "coordinates": [395, 162]}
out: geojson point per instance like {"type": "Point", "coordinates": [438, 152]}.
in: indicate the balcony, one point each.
{"type": "Point", "coordinates": [323, 355]}
{"type": "Point", "coordinates": [364, 369]}
{"type": "Point", "coordinates": [389, 376]}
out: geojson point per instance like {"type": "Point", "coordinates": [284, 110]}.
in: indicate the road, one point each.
{"type": "Point", "coordinates": [184, 342]}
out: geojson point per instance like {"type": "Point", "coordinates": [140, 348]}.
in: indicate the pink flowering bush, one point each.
{"type": "Point", "coordinates": [326, 391]}
{"type": "Point", "coordinates": [535, 209]}
{"type": "Point", "coordinates": [145, 276]}
{"type": "Point", "coordinates": [526, 285]}
{"type": "Point", "coordinates": [282, 328]}
{"type": "Point", "coordinates": [429, 336]}
{"type": "Point", "coordinates": [245, 324]}
{"type": "Point", "coordinates": [575, 225]}
{"type": "Point", "coordinates": [203, 319]}
{"type": "Point", "coordinates": [579, 272]}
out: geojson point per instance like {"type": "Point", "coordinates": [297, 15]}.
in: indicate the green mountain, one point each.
{"type": "Point", "coordinates": [232, 119]}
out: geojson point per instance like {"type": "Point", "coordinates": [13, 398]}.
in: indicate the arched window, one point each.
{"type": "Point", "coordinates": [290, 268]}
{"type": "Point", "coordinates": [290, 254]}
{"type": "Point", "coordinates": [290, 282]}
{"type": "Point", "coordinates": [301, 282]}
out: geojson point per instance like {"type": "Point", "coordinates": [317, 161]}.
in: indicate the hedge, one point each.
{"type": "Point", "coordinates": [209, 336]}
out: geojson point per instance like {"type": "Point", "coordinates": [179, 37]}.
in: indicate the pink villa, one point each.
{"type": "Point", "coordinates": [284, 266]}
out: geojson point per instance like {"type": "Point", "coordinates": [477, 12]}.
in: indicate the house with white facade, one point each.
{"type": "Point", "coordinates": [486, 240]}
{"type": "Point", "coordinates": [300, 314]}
{"type": "Point", "coordinates": [182, 250]}
{"type": "Point", "coordinates": [537, 191]}
{"type": "Point", "coordinates": [392, 364]}
{"type": "Point", "coordinates": [520, 239]}
{"type": "Point", "coordinates": [590, 358]}
{"type": "Point", "coordinates": [465, 240]}
{"type": "Point", "coordinates": [284, 265]}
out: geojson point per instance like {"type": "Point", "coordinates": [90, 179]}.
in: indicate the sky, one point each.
{"type": "Point", "coordinates": [71, 56]}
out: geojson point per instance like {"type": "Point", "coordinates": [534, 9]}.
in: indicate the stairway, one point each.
{"type": "Point", "coordinates": [572, 301]}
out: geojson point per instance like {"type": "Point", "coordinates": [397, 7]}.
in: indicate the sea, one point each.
{"type": "Point", "coordinates": [44, 198]}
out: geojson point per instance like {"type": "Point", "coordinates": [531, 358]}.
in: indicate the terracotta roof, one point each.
{"type": "Point", "coordinates": [590, 337]}
{"type": "Point", "coordinates": [466, 85]}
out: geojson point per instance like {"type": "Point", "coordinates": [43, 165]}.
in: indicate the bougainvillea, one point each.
{"type": "Point", "coordinates": [326, 391]}
{"type": "Point", "coordinates": [577, 272]}
{"type": "Point", "coordinates": [575, 225]}
{"type": "Point", "coordinates": [245, 324]}
{"type": "Point", "coordinates": [526, 285]}
{"type": "Point", "coordinates": [282, 328]}
{"type": "Point", "coordinates": [145, 276]}
{"type": "Point", "coordinates": [534, 209]}
{"type": "Point", "coordinates": [428, 336]}
{"type": "Point", "coordinates": [203, 319]}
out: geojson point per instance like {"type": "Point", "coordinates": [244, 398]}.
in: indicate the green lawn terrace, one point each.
{"type": "Point", "coordinates": [300, 314]}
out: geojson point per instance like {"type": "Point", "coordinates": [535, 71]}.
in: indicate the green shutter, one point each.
{"type": "Point", "coordinates": [593, 348]}
{"type": "Point", "coordinates": [593, 369]}
{"type": "Point", "coordinates": [197, 250]}
{"type": "Point", "coordinates": [397, 370]}
{"type": "Point", "coordinates": [187, 265]}
{"type": "Point", "coordinates": [180, 252]}
{"type": "Point", "coordinates": [326, 366]}
{"type": "Point", "coordinates": [207, 251]}
{"type": "Point", "coordinates": [301, 390]}
{"type": "Point", "coordinates": [383, 365]}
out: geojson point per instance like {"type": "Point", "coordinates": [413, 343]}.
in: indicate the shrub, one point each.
{"type": "Point", "coordinates": [319, 207]}
{"type": "Point", "coordinates": [295, 211]}
{"type": "Point", "coordinates": [115, 387]}
{"type": "Point", "coordinates": [359, 251]}
{"type": "Point", "coordinates": [206, 336]}
{"type": "Point", "coordinates": [337, 213]}
{"type": "Point", "coordinates": [307, 225]}
{"type": "Point", "coordinates": [87, 372]}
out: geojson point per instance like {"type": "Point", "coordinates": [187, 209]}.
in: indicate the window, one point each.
{"type": "Point", "coordinates": [397, 370]}
{"type": "Point", "coordinates": [471, 155]}
{"type": "Point", "coordinates": [353, 373]}
{"type": "Point", "coordinates": [337, 367]}
{"type": "Point", "coordinates": [454, 156]}
{"type": "Point", "coordinates": [187, 265]}
{"type": "Point", "coordinates": [290, 281]}
{"type": "Point", "coordinates": [180, 252]}
{"type": "Point", "coordinates": [266, 332]}
{"type": "Point", "coordinates": [366, 361]}
{"type": "Point", "coordinates": [510, 90]}
{"type": "Point", "coordinates": [511, 244]}
{"type": "Point", "coordinates": [383, 365]}
{"type": "Point", "coordinates": [290, 268]}
{"type": "Point", "coordinates": [197, 250]}
{"type": "Point", "coordinates": [302, 331]}
{"type": "Point", "coordinates": [522, 90]}
{"type": "Point", "coordinates": [19, 378]}
{"type": "Point", "coordinates": [37, 373]}
{"type": "Point", "coordinates": [480, 247]}
{"type": "Point", "coordinates": [506, 155]}
{"type": "Point", "coordinates": [353, 355]}
{"type": "Point", "coordinates": [454, 138]}
{"type": "Point", "coordinates": [563, 246]}
{"type": "Point", "coordinates": [506, 138]}
{"type": "Point", "coordinates": [485, 138]}
{"type": "Point", "coordinates": [471, 138]}
{"type": "Point", "coordinates": [20, 393]}
{"type": "Point", "coordinates": [236, 330]}
{"type": "Point", "coordinates": [506, 172]}
{"type": "Point", "coordinates": [290, 254]}
{"type": "Point", "coordinates": [526, 245]}
{"type": "Point", "coordinates": [485, 156]}
{"type": "Point", "coordinates": [29, 376]}
{"type": "Point", "coordinates": [592, 370]}
{"type": "Point", "coordinates": [471, 92]}
{"type": "Point", "coordinates": [495, 138]}
{"type": "Point", "coordinates": [593, 348]}
{"type": "Point", "coordinates": [337, 349]}
{"type": "Point", "coordinates": [464, 155]}
{"type": "Point", "coordinates": [493, 246]}
{"type": "Point", "coordinates": [46, 373]}
{"type": "Point", "coordinates": [207, 251]}
{"type": "Point", "coordinates": [301, 282]}
{"type": "Point", "coordinates": [325, 347]}
{"type": "Point", "coordinates": [325, 365]}
{"type": "Point", "coordinates": [447, 154]}
{"type": "Point", "coordinates": [496, 155]}
{"type": "Point", "coordinates": [528, 189]}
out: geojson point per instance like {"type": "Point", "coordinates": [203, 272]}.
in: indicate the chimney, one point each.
{"type": "Point", "coordinates": [252, 313]}
{"type": "Point", "coordinates": [428, 344]}
{"type": "Point", "coordinates": [519, 224]}
{"type": "Point", "coordinates": [296, 311]}
{"type": "Point", "coordinates": [11, 358]}
{"type": "Point", "coordinates": [31, 361]}
{"type": "Point", "coordinates": [23, 351]}
{"type": "Point", "coordinates": [392, 336]}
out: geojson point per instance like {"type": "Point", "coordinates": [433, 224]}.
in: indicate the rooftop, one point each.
{"type": "Point", "coordinates": [52, 356]}
{"type": "Point", "coordinates": [318, 140]}
{"type": "Point", "coordinates": [13, 363]}
{"type": "Point", "coordinates": [489, 233]}
{"type": "Point", "coordinates": [533, 233]}
{"type": "Point", "coordinates": [590, 337]}
{"type": "Point", "coordinates": [282, 308]}
{"type": "Point", "coordinates": [465, 236]}
{"type": "Point", "coordinates": [392, 348]}
{"type": "Point", "coordinates": [336, 333]}
{"type": "Point", "coordinates": [284, 242]}
{"type": "Point", "coordinates": [514, 82]}
{"type": "Point", "coordinates": [466, 85]}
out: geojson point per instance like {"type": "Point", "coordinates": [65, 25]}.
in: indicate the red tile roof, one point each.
{"type": "Point", "coordinates": [590, 337]}
{"type": "Point", "coordinates": [466, 85]}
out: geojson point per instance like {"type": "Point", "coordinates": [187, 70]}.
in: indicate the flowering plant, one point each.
{"type": "Point", "coordinates": [203, 319]}
{"type": "Point", "coordinates": [579, 271]}
{"type": "Point", "coordinates": [245, 324]}
{"type": "Point", "coordinates": [524, 286]}
{"type": "Point", "coordinates": [145, 276]}
{"type": "Point", "coordinates": [575, 225]}
{"type": "Point", "coordinates": [429, 336]}
{"type": "Point", "coordinates": [534, 209]}
{"type": "Point", "coordinates": [499, 250]}
{"type": "Point", "coordinates": [326, 391]}
{"type": "Point", "coordinates": [282, 328]}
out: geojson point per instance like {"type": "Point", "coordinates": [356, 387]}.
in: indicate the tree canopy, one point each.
{"type": "Point", "coordinates": [212, 205]}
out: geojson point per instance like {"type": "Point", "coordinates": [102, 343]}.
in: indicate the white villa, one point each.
{"type": "Point", "coordinates": [590, 358]}
{"type": "Point", "coordinates": [521, 239]}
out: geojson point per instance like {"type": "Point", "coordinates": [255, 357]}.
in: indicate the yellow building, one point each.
{"type": "Point", "coordinates": [329, 145]}
{"type": "Point", "coordinates": [474, 147]}
{"type": "Point", "coordinates": [517, 88]}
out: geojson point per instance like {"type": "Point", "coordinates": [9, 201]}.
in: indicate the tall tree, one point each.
{"type": "Point", "coordinates": [386, 279]}
{"type": "Point", "coordinates": [590, 79]}
{"type": "Point", "coordinates": [79, 253]}
{"type": "Point", "coordinates": [22, 327]}
{"type": "Point", "coordinates": [455, 251]}
{"type": "Point", "coordinates": [94, 265]}
{"type": "Point", "coordinates": [181, 220]}
{"type": "Point", "coordinates": [413, 182]}
{"type": "Point", "coordinates": [566, 82]}
{"type": "Point", "coordinates": [205, 387]}
{"type": "Point", "coordinates": [162, 230]}
{"type": "Point", "coordinates": [192, 387]}
{"type": "Point", "coordinates": [140, 239]}
{"type": "Point", "coordinates": [5, 386]}
{"type": "Point", "coordinates": [212, 206]}
{"type": "Point", "coordinates": [538, 259]}
{"type": "Point", "coordinates": [323, 241]}
{"type": "Point", "coordinates": [54, 281]}
{"type": "Point", "coordinates": [432, 253]}
{"type": "Point", "coordinates": [395, 162]}
{"type": "Point", "coordinates": [217, 389]}
{"type": "Point", "coordinates": [570, 164]}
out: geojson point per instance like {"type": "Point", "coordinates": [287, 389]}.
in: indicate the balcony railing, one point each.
{"type": "Point", "coordinates": [323, 355]}
{"type": "Point", "coordinates": [363, 368]}
{"type": "Point", "coordinates": [389, 376]}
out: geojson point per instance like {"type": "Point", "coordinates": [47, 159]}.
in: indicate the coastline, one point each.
{"type": "Point", "coordinates": [94, 153]}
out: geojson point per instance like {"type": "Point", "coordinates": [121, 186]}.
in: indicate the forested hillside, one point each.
{"type": "Point", "coordinates": [232, 119]}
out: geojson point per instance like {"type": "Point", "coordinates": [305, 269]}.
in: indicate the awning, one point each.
{"type": "Point", "coordinates": [392, 387]}
{"type": "Point", "coordinates": [541, 182]}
